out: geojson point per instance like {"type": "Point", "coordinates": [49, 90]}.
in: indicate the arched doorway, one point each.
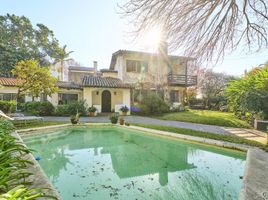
{"type": "Point", "coordinates": [106, 101]}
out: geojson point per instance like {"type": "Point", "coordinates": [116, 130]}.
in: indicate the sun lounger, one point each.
{"type": "Point", "coordinates": [20, 117]}
{"type": "Point", "coordinates": [2, 114]}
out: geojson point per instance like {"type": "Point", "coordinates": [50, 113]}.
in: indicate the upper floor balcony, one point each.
{"type": "Point", "coordinates": [181, 80]}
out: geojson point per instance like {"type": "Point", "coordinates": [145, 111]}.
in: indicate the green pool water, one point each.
{"type": "Point", "coordinates": [118, 163]}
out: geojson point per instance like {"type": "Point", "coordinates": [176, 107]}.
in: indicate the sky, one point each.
{"type": "Point", "coordinates": [94, 29]}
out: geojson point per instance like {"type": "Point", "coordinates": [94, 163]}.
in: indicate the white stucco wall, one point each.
{"type": "Point", "coordinates": [119, 97]}
{"type": "Point", "coordinates": [4, 89]}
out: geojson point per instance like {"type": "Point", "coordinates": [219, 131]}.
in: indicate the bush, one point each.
{"type": "Point", "coordinates": [114, 119]}
{"type": "Point", "coordinates": [8, 106]}
{"type": "Point", "coordinates": [6, 127]}
{"type": "Point", "coordinates": [62, 110]}
{"type": "Point", "coordinates": [77, 106]}
{"type": "Point", "coordinates": [92, 109]}
{"type": "Point", "coordinates": [249, 94]}
{"type": "Point", "coordinates": [75, 118]}
{"type": "Point", "coordinates": [71, 108]}
{"type": "Point", "coordinates": [39, 108]}
{"type": "Point", "coordinates": [153, 104]}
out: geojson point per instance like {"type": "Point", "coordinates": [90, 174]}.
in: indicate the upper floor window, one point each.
{"type": "Point", "coordinates": [137, 66]}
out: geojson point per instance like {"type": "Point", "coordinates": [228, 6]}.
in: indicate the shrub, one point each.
{"type": "Point", "coordinates": [75, 118]}
{"type": "Point", "coordinates": [114, 119]}
{"type": "Point", "coordinates": [249, 94]}
{"type": "Point", "coordinates": [6, 126]}
{"type": "Point", "coordinates": [92, 109]}
{"type": "Point", "coordinates": [8, 106]}
{"type": "Point", "coordinates": [135, 109]}
{"type": "Point", "coordinates": [71, 108]}
{"type": "Point", "coordinates": [153, 104]}
{"type": "Point", "coordinates": [62, 110]}
{"type": "Point", "coordinates": [39, 108]}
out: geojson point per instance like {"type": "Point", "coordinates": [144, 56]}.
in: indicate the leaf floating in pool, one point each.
{"type": "Point", "coordinates": [141, 190]}
{"type": "Point", "coordinates": [75, 195]}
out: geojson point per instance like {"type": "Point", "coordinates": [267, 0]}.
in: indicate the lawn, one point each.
{"type": "Point", "coordinates": [214, 136]}
{"type": "Point", "coordinates": [34, 124]}
{"type": "Point", "coordinates": [207, 117]}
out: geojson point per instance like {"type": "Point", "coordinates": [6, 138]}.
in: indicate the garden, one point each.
{"type": "Point", "coordinates": [14, 168]}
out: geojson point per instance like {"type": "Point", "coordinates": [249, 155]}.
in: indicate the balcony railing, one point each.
{"type": "Point", "coordinates": [181, 80]}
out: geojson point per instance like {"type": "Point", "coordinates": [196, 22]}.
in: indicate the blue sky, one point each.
{"type": "Point", "coordinates": [93, 29]}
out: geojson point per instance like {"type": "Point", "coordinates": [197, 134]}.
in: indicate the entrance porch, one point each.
{"type": "Point", "coordinates": [107, 99]}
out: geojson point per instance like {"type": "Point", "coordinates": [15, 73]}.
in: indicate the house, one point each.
{"type": "Point", "coordinates": [149, 71]}
{"type": "Point", "coordinates": [130, 72]}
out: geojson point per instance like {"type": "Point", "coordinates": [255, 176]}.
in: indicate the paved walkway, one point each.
{"type": "Point", "coordinates": [245, 133]}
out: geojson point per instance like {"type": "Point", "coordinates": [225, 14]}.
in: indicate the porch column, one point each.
{"type": "Point", "coordinates": [127, 99]}
{"type": "Point", "coordinates": [87, 95]}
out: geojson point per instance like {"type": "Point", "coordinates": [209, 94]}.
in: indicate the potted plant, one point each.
{"type": "Point", "coordinates": [91, 110]}
{"type": "Point", "coordinates": [114, 119]}
{"type": "Point", "coordinates": [75, 118]}
{"type": "Point", "coordinates": [124, 110]}
{"type": "Point", "coordinates": [121, 121]}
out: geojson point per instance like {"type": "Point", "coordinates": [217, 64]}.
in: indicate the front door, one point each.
{"type": "Point", "coordinates": [106, 101]}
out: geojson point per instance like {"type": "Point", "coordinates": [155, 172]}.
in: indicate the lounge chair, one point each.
{"type": "Point", "coordinates": [2, 114]}
{"type": "Point", "coordinates": [20, 117]}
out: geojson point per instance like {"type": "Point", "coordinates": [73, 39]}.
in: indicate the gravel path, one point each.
{"type": "Point", "coordinates": [148, 120]}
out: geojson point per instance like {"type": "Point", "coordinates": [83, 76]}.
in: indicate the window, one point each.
{"type": "Point", "coordinates": [7, 96]}
{"type": "Point", "coordinates": [43, 97]}
{"type": "Point", "coordinates": [66, 98]}
{"type": "Point", "coordinates": [137, 66]}
{"type": "Point", "coordinates": [174, 96]}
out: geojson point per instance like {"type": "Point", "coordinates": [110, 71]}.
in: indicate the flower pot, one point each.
{"type": "Point", "coordinates": [124, 113]}
{"type": "Point", "coordinates": [91, 114]}
{"type": "Point", "coordinates": [121, 121]}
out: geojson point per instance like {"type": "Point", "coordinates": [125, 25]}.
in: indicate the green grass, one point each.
{"type": "Point", "coordinates": [207, 117]}
{"type": "Point", "coordinates": [35, 124]}
{"type": "Point", "coordinates": [227, 138]}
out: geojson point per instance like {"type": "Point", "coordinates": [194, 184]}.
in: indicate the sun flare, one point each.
{"type": "Point", "coordinates": [152, 38]}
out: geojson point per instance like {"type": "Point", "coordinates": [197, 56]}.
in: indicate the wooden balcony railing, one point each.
{"type": "Point", "coordinates": [181, 80]}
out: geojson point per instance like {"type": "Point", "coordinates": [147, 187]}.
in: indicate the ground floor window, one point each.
{"type": "Point", "coordinates": [174, 96]}
{"type": "Point", "coordinates": [43, 97]}
{"type": "Point", "coordinates": [66, 98]}
{"type": "Point", "coordinates": [7, 96]}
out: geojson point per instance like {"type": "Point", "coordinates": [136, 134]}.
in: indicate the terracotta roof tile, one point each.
{"type": "Point", "coordinates": [109, 82]}
{"type": "Point", "coordinates": [69, 85]}
{"type": "Point", "coordinates": [9, 81]}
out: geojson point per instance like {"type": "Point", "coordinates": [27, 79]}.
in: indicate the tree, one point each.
{"type": "Point", "coordinates": [249, 95]}
{"type": "Point", "coordinates": [212, 85]}
{"type": "Point", "coordinates": [62, 56]}
{"type": "Point", "coordinates": [204, 29]}
{"type": "Point", "coordinates": [19, 40]}
{"type": "Point", "coordinates": [34, 79]}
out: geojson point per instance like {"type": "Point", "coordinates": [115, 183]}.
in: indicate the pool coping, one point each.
{"type": "Point", "coordinates": [255, 176]}
{"type": "Point", "coordinates": [256, 160]}
{"type": "Point", "coordinates": [38, 178]}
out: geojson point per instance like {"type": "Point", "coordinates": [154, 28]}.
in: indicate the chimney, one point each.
{"type": "Point", "coordinates": [95, 64]}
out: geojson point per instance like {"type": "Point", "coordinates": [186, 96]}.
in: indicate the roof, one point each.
{"type": "Point", "coordinates": [81, 68]}
{"type": "Point", "coordinates": [142, 53]}
{"type": "Point", "coordinates": [108, 82]}
{"type": "Point", "coordinates": [10, 81]}
{"type": "Point", "coordinates": [108, 70]}
{"type": "Point", "coordinates": [68, 85]}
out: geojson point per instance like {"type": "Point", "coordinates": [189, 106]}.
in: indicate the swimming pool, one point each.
{"type": "Point", "coordinates": [119, 163]}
